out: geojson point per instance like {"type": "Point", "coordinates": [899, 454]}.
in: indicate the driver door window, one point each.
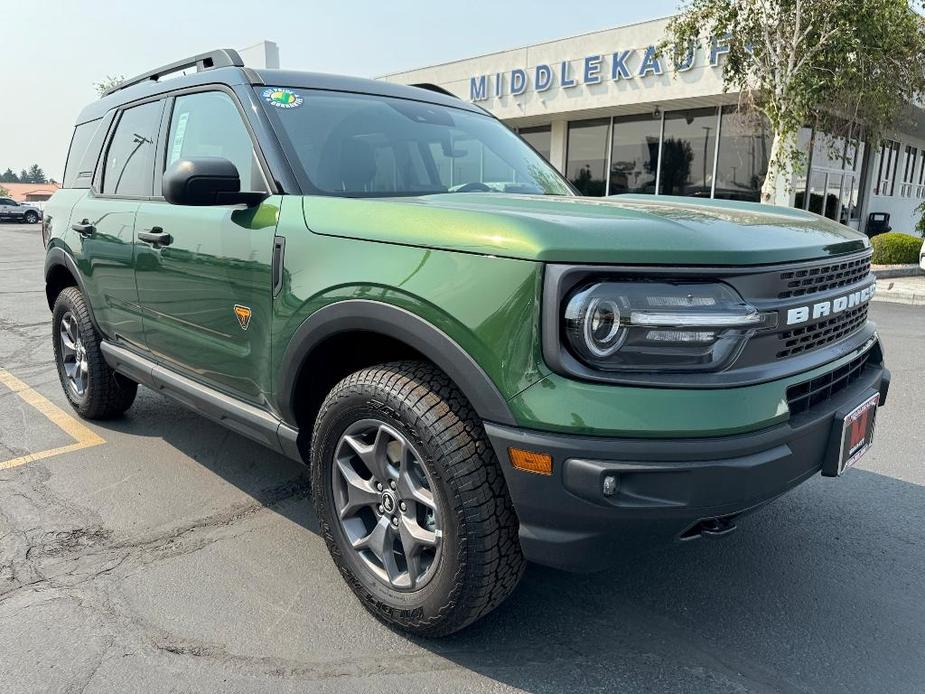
{"type": "Point", "coordinates": [208, 124]}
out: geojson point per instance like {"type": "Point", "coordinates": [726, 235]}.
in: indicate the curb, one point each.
{"type": "Point", "coordinates": [886, 272]}
{"type": "Point", "coordinates": [898, 295]}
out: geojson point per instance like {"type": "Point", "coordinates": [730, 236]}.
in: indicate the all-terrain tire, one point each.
{"type": "Point", "coordinates": [107, 394]}
{"type": "Point", "coordinates": [481, 561]}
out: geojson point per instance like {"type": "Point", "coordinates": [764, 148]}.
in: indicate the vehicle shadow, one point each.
{"type": "Point", "coordinates": [823, 590]}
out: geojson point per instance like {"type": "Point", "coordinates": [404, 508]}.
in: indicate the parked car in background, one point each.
{"type": "Point", "coordinates": [12, 211]}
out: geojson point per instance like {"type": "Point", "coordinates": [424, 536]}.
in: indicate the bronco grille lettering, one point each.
{"type": "Point", "coordinates": [820, 309]}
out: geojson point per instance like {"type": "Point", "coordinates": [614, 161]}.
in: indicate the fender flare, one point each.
{"type": "Point", "coordinates": [58, 257]}
{"type": "Point", "coordinates": [401, 324]}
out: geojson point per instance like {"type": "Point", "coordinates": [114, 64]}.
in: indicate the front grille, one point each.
{"type": "Point", "coordinates": [798, 340]}
{"type": "Point", "coordinates": [822, 278]}
{"type": "Point", "coordinates": [802, 396]}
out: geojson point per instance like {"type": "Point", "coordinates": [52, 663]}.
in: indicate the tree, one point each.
{"type": "Point", "coordinates": [9, 177]}
{"type": "Point", "coordinates": [37, 175]}
{"type": "Point", "coordinates": [4, 193]}
{"type": "Point", "coordinates": [836, 65]}
{"type": "Point", "coordinates": [107, 83]}
{"type": "Point", "coordinates": [24, 176]}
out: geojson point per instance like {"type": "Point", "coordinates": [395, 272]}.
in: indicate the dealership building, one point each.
{"type": "Point", "coordinates": [609, 112]}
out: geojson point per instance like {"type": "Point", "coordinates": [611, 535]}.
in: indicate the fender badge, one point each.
{"type": "Point", "coordinates": [243, 314]}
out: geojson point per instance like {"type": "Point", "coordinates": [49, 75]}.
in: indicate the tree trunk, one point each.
{"type": "Point", "coordinates": [779, 181]}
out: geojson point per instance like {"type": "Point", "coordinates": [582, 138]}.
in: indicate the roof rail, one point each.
{"type": "Point", "coordinates": [434, 88]}
{"type": "Point", "coordinates": [223, 57]}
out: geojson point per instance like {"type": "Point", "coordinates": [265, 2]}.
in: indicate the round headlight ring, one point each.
{"type": "Point", "coordinates": [601, 327]}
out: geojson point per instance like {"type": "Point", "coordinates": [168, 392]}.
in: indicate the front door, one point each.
{"type": "Point", "coordinates": [207, 294]}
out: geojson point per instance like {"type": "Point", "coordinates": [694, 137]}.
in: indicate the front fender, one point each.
{"type": "Point", "coordinates": [376, 316]}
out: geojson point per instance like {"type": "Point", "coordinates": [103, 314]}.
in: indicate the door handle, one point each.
{"type": "Point", "coordinates": [156, 237]}
{"type": "Point", "coordinates": [84, 228]}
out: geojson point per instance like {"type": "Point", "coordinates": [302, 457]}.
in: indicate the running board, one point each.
{"type": "Point", "coordinates": [250, 421]}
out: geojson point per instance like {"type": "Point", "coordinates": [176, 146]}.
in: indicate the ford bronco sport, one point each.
{"type": "Point", "coordinates": [479, 367]}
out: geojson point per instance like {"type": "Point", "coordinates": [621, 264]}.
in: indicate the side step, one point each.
{"type": "Point", "coordinates": [252, 422]}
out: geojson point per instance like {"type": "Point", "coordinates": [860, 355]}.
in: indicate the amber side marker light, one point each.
{"type": "Point", "coordinates": [529, 461]}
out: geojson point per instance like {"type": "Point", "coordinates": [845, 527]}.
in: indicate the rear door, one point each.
{"type": "Point", "coordinates": [207, 294]}
{"type": "Point", "coordinates": [101, 235]}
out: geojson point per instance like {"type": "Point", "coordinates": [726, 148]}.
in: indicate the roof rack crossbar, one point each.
{"type": "Point", "coordinates": [223, 57]}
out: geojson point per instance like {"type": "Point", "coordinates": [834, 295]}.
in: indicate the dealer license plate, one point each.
{"type": "Point", "coordinates": [857, 432]}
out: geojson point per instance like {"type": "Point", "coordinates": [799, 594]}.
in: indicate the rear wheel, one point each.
{"type": "Point", "coordinates": [31, 217]}
{"type": "Point", "coordinates": [411, 499]}
{"type": "Point", "coordinates": [92, 388]}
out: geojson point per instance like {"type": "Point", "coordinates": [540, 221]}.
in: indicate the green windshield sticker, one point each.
{"type": "Point", "coordinates": [282, 98]}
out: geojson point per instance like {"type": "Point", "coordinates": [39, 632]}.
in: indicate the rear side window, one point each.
{"type": "Point", "coordinates": [80, 142]}
{"type": "Point", "coordinates": [129, 166]}
{"type": "Point", "coordinates": [208, 124]}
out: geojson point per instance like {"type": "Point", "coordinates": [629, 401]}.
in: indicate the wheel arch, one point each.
{"type": "Point", "coordinates": [400, 333]}
{"type": "Point", "coordinates": [61, 271]}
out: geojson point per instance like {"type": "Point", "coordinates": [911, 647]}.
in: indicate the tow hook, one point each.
{"type": "Point", "coordinates": [710, 528]}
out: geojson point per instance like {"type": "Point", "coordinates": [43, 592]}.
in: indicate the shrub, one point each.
{"type": "Point", "coordinates": [896, 249]}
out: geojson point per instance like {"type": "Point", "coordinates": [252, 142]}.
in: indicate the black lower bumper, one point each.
{"type": "Point", "coordinates": [609, 497]}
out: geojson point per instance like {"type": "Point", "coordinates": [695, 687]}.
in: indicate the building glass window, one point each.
{"type": "Point", "coordinates": [539, 138]}
{"type": "Point", "coordinates": [912, 154]}
{"type": "Point", "coordinates": [687, 153]}
{"type": "Point", "coordinates": [817, 192]}
{"type": "Point", "coordinates": [742, 163]}
{"type": "Point", "coordinates": [920, 183]}
{"type": "Point", "coordinates": [889, 153]}
{"type": "Point", "coordinates": [586, 159]}
{"type": "Point", "coordinates": [634, 154]}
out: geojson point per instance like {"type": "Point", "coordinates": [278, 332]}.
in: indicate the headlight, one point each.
{"type": "Point", "coordinates": [659, 326]}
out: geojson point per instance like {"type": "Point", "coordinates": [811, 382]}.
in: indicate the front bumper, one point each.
{"type": "Point", "coordinates": [664, 488]}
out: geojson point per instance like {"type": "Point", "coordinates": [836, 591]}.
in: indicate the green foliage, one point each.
{"type": "Point", "coordinates": [9, 177]}
{"type": "Point", "coordinates": [830, 63]}
{"type": "Point", "coordinates": [37, 175]}
{"type": "Point", "coordinates": [894, 248]}
{"type": "Point", "coordinates": [108, 82]}
{"type": "Point", "coordinates": [4, 192]}
{"type": "Point", "coordinates": [920, 225]}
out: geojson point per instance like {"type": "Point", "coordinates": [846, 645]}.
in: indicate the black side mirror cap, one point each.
{"type": "Point", "coordinates": [205, 181]}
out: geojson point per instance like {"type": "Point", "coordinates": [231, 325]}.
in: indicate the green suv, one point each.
{"type": "Point", "coordinates": [479, 367]}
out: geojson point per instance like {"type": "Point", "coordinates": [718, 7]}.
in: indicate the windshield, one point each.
{"type": "Point", "coordinates": [359, 145]}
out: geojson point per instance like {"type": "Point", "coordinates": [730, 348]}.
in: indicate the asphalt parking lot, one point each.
{"type": "Point", "coordinates": [161, 552]}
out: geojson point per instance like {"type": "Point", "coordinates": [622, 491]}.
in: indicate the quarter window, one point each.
{"type": "Point", "coordinates": [208, 124]}
{"type": "Point", "coordinates": [130, 159]}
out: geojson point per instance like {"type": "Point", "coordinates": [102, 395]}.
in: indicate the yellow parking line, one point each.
{"type": "Point", "coordinates": [82, 435]}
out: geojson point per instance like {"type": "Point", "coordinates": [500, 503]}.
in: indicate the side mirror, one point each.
{"type": "Point", "coordinates": [206, 181]}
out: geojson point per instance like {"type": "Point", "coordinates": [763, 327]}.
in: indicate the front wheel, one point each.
{"type": "Point", "coordinates": [411, 499]}
{"type": "Point", "coordinates": [31, 217]}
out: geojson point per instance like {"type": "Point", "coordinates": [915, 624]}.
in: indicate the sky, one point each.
{"type": "Point", "coordinates": [64, 46]}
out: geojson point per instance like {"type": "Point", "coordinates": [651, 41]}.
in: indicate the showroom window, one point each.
{"type": "Point", "coordinates": [687, 153]}
{"type": "Point", "coordinates": [586, 158]}
{"type": "Point", "coordinates": [889, 153]}
{"type": "Point", "coordinates": [912, 154]}
{"type": "Point", "coordinates": [742, 162]}
{"type": "Point", "coordinates": [634, 154]}
{"type": "Point", "coordinates": [539, 138]}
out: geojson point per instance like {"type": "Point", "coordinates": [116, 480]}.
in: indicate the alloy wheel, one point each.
{"type": "Point", "coordinates": [386, 506]}
{"type": "Point", "coordinates": [73, 355]}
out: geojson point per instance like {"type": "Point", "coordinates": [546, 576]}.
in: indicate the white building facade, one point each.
{"type": "Point", "coordinates": [611, 114]}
